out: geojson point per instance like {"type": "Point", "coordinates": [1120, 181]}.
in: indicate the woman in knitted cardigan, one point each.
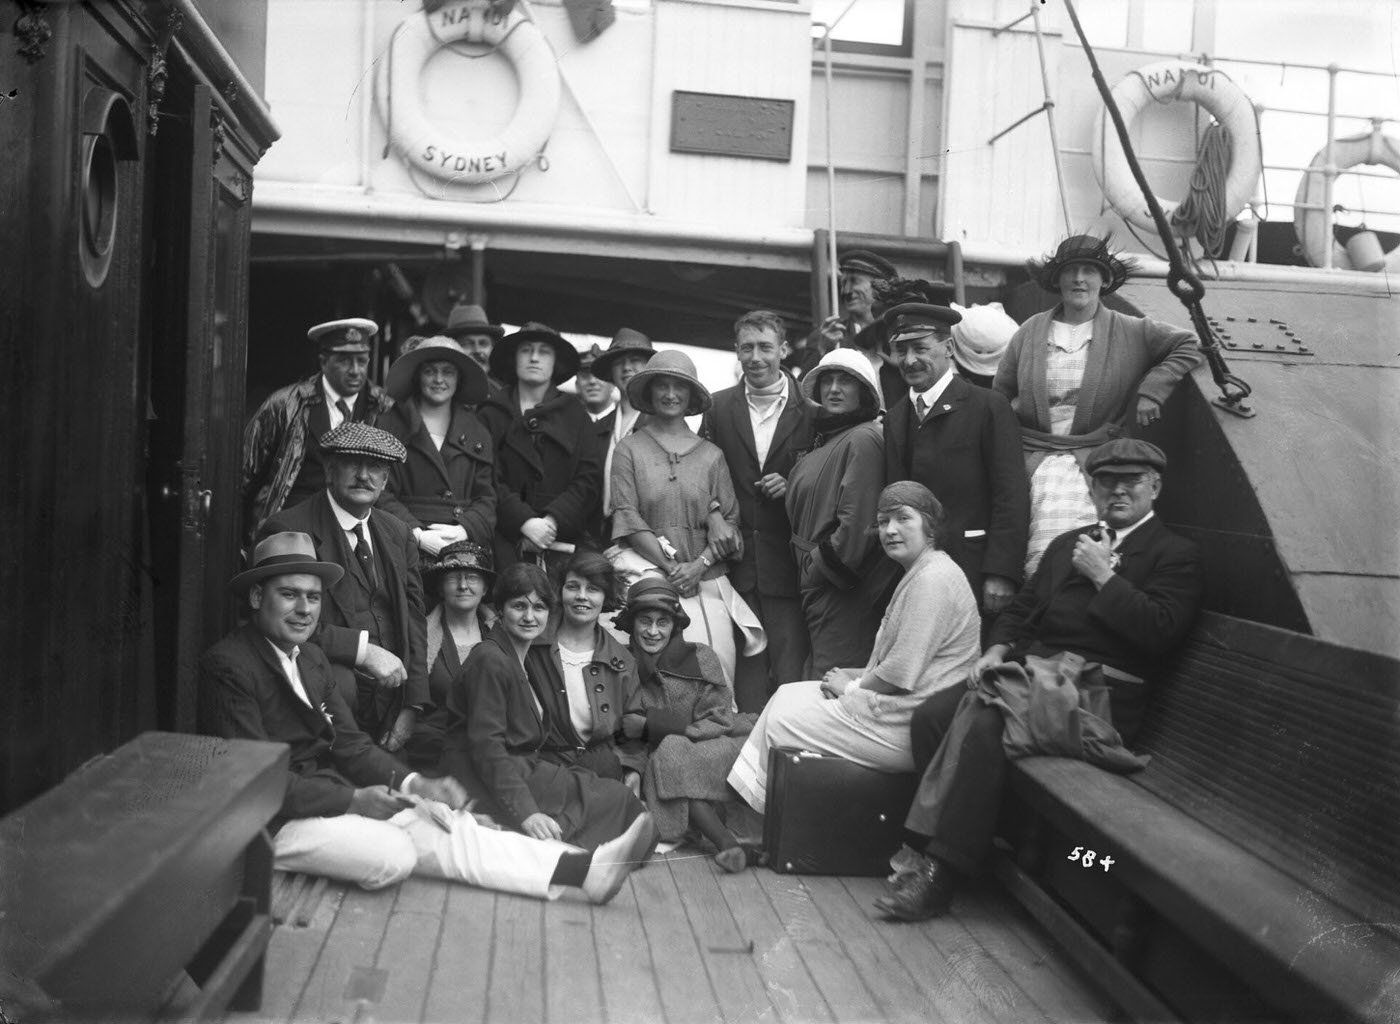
{"type": "Point", "coordinates": [928, 640]}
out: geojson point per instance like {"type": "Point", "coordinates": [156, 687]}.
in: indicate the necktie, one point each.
{"type": "Point", "coordinates": [921, 407]}
{"type": "Point", "coordinates": [366, 557]}
{"type": "Point", "coordinates": [1112, 536]}
{"type": "Point", "coordinates": [343, 409]}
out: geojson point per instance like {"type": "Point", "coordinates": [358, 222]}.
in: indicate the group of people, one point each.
{"type": "Point", "coordinates": [517, 636]}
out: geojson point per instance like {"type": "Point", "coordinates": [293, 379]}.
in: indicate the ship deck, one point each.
{"type": "Point", "coordinates": [682, 942]}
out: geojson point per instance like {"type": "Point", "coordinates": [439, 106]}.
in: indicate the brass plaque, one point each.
{"type": "Point", "coordinates": [706, 122]}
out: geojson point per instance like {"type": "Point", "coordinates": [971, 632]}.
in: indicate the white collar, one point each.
{"type": "Point", "coordinates": [282, 655]}
{"type": "Point", "coordinates": [934, 392]}
{"type": "Point", "coordinates": [347, 520]}
{"type": "Point", "coordinates": [1122, 533]}
{"type": "Point", "coordinates": [333, 396]}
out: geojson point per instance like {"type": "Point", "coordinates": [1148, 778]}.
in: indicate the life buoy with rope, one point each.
{"type": "Point", "coordinates": [467, 160]}
{"type": "Point", "coordinates": [1167, 82]}
{"type": "Point", "coordinates": [1309, 225]}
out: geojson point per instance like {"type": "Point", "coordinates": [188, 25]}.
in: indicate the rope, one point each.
{"type": "Point", "coordinates": [1202, 214]}
{"type": "Point", "coordinates": [1181, 281]}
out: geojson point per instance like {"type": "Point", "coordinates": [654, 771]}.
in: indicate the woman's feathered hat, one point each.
{"type": "Point", "coordinates": [1083, 249]}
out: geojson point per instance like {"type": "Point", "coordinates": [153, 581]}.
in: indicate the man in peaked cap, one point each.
{"type": "Point", "coordinates": [372, 626]}
{"type": "Point", "coordinates": [352, 811]}
{"type": "Point", "coordinates": [1107, 605]}
{"type": "Point", "coordinates": [281, 448]}
{"type": "Point", "coordinates": [855, 325]}
{"type": "Point", "coordinates": [596, 393]}
{"type": "Point", "coordinates": [963, 443]}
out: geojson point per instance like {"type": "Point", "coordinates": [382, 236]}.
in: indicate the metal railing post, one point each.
{"type": "Point", "coordinates": [1329, 171]}
{"type": "Point", "coordinates": [1050, 117]}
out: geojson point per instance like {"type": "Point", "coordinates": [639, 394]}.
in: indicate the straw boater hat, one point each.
{"type": "Point", "coordinates": [354, 438]}
{"type": "Point", "coordinates": [670, 363]}
{"type": "Point", "coordinates": [283, 554]}
{"type": "Point", "coordinates": [350, 335]}
{"type": "Point", "coordinates": [566, 358]}
{"type": "Point", "coordinates": [468, 319]}
{"type": "Point", "coordinates": [626, 342]}
{"type": "Point", "coordinates": [860, 261]}
{"type": "Point", "coordinates": [462, 555]}
{"type": "Point", "coordinates": [652, 593]}
{"type": "Point", "coordinates": [402, 381]}
{"type": "Point", "coordinates": [847, 360]}
{"type": "Point", "coordinates": [1082, 249]}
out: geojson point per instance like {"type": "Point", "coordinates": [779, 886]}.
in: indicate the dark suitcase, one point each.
{"type": "Point", "coordinates": [829, 816]}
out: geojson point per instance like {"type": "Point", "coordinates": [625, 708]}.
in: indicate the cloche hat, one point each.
{"type": "Point", "coordinates": [652, 593]}
{"type": "Point", "coordinates": [402, 380]}
{"type": "Point", "coordinates": [462, 555]}
{"type": "Point", "coordinates": [847, 360]}
{"type": "Point", "coordinates": [671, 363]}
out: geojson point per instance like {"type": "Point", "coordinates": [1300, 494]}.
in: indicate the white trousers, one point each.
{"type": "Point", "coordinates": [798, 715]}
{"type": "Point", "coordinates": [373, 854]}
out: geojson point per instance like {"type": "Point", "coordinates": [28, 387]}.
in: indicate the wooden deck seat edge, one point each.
{"type": "Point", "coordinates": [1261, 842]}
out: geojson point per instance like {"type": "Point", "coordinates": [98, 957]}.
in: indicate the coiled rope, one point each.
{"type": "Point", "coordinates": [1202, 214]}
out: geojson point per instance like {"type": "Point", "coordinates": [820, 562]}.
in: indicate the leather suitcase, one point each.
{"type": "Point", "coordinates": [830, 816]}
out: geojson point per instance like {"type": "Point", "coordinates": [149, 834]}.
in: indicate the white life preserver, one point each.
{"type": "Point", "coordinates": [472, 160]}
{"type": "Point", "coordinates": [1163, 83]}
{"type": "Point", "coordinates": [1371, 148]}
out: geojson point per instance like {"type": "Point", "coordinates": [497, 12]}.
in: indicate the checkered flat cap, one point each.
{"type": "Point", "coordinates": [361, 439]}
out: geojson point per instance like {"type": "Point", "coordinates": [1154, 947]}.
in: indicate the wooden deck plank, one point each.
{"type": "Point", "coordinates": [573, 985]}
{"type": "Point", "coordinates": [837, 980]}
{"type": "Point", "coordinates": [791, 987]}
{"type": "Point", "coordinates": [1062, 994]}
{"type": "Point", "coordinates": [625, 970]}
{"type": "Point", "coordinates": [866, 944]}
{"type": "Point", "coordinates": [681, 982]}
{"type": "Point", "coordinates": [292, 954]}
{"type": "Point", "coordinates": [462, 964]}
{"type": "Point", "coordinates": [727, 953]}
{"type": "Point", "coordinates": [349, 953]}
{"type": "Point", "coordinates": [515, 988]}
{"type": "Point", "coordinates": [410, 946]}
{"type": "Point", "coordinates": [944, 950]}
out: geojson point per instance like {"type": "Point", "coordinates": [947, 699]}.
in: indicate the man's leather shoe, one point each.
{"type": "Point", "coordinates": [921, 895]}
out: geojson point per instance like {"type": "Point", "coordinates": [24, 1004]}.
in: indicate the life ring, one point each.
{"type": "Point", "coordinates": [475, 160]}
{"type": "Point", "coordinates": [1372, 148]}
{"type": "Point", "coordinates": [1163, 83]}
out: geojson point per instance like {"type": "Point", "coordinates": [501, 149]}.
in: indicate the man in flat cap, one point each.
{"type": "Point", "coordinates": [352, 811]}
{"type": "Point", "coordinates": [855, 325]}
{"type": "Point", "coordinates": [963, 443]}
{"type": "Point", "coordinates": [372, 627]}
{"type": "Point", "coordinates": [281, 443]}
{"type": "Point", "coordinates": [1107, 605]}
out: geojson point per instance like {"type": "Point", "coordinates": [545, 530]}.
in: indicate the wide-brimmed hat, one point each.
{"type": "Point", "coordinates": [284, 554]}
{"type": "Point", "coordinates": [402, 379]}
{"type": "Point", "coordinates": [566, 357]}
{"type": "Point", "coordinates": [355, 438]}
{"type": "Point", "coordinates": [652, 593]}
{"type": "Point", "coordinates": [462, 555]}
{"type": "Point", "coordinates": [861, 261]}
{"type": "Point", "coordinates": [671, 363]}
{"type": "Point", "coordinates": [1125, 455]}
{"type": "Point", "coordinates": [917, 320]}
{"type": "Point", "coordinates": [626, 342]}
{"type": "Point", "coordinates": [982, 336]}
{"type": "Point", "coordinates": [349, 335]}
{"type": "Point", "coordinates": [847, 360]}
{"type": "Point", "coordinates": [1083, 249]}
{"type": "Point", "coordinates": [468, 319]}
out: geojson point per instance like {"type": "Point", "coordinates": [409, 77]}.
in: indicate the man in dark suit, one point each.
{"type": "Point", "coordinates": [372, 628]}
{"type": "Point", "coordinates": [1118, 596]}
{"type": "Point", "coordinates": [962, 442]}
{"type": "Point", "coordinates": [761, 424]}
{"type": "Point", "coordinates": [352, 811]}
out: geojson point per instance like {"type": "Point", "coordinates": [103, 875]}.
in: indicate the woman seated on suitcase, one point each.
{"type": "Point", "coordinates": [928, 640]}
{"type": "Point", "coordinates": [683, 714]}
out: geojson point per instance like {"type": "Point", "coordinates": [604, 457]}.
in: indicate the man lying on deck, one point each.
{"type": "Point", "coordinates": [352, 811]}
{"type": "Point", "coordinates": [1106, 605]}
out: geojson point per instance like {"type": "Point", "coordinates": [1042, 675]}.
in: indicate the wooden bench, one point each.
{"type": "Point", "coordinates": [144, 869]}
{"type": "Point", "coordinates": [1252, 870]}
